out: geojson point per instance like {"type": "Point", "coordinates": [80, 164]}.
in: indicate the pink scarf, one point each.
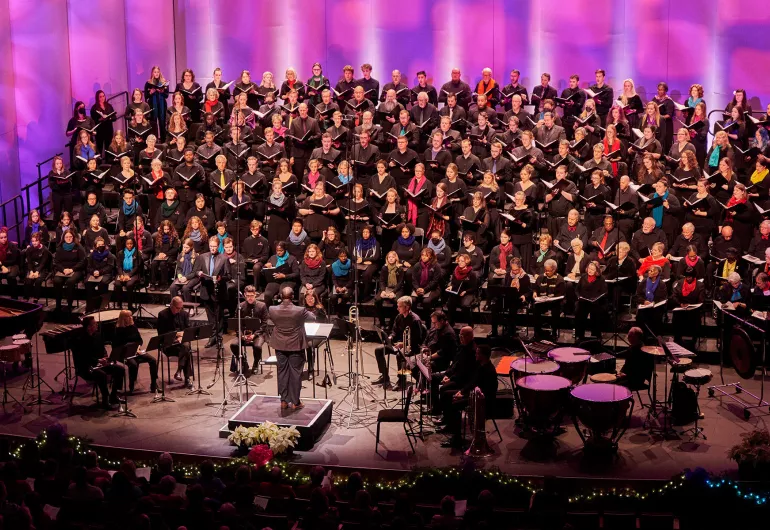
{"type": "Point", "coordinates": [414, 186]}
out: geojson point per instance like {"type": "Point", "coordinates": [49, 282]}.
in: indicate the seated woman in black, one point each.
{"type": "Point", "coordinates": [591, 303]}
{"type": "Point", "coordinates": [439, 247]}
{"type": "Point", "coordinates": [407, 248]}
{"type": "Point", "coordinates": [92, 233]}
{"type": "Point", "coordinates": [312, 272]}
{"type": "Point", "coordinates": [129, 274]}
{"type": "Point", "coordinates": [10, 261]}
{"type": "Point", "coordinates": [38, 266]}
{"type": "Point", "coordinates": [368, 256]}
{"type": "Point", "coordinates": [126, 332]}
{"type": "Point", "coordinates": [508, 296]}
{"type": "Point", "coordinates": [462, 289]}
{"type": "Point", "coordinates": [426, 281]}
{"type": "Point", "coordinates": [650, 291]}
{"type": "Point", "coordinates": [166, 245]}
{"type": "Point", "coordinates": [687, 292]}
{"type": "Point", "coordinates": [331, 245]}
{"type": "Point", "coordinates": [100, 268]}
{"type": "Point", "coordinates": [342, 284]}
{"type": "Point", "coordinates": [691, 261]}
{"type": "Point", "coordinates": [69, 263]}
{"type": "Point", "coordinates": [35, 225]}
{"type": "Point", "coordinates": [543, 253]}
{"type": "Point", "coordinates": [391, 286]}
{"type": "Point", "coordinates": [185, 279]}
{"type": "Point", "coordinates": [281, 270]}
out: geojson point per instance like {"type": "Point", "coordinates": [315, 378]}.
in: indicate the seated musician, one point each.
{"type": "Point", "coordinates": [459, 372]}
{"type": "Point", "coordinates": [549, 292]}
{"type": "Point", "coordinates": [485, 378]}
{"type": "Point", "coordinates": [126, 332]}
{"type": "Point", "coordinates": [656, 257]}
{"type": "Point", "coordinates": [251, 308]}
{"type": "Point", "coordinates": [426, 276]}
{"type": "Point", "coordinates": [175, 319]}
{"type": "Point", "coordinates": [93, 364]}
{"type": "Point", "coordinates": [462, 289]}
{"type": "Point", "coordinates": [687, 291]}
{"type": "Point", "coordinates": [405, 319]}
{"type": "Point", "coordinates": [591, 303]}
{"type": "Point", "coordinates": [506, 300]}
{"type": "Point", "coordinates": [441, 344]}
{"type": "Point", "coordinates": [734, 294]}
{"type": "Point", "coordinates": [391, 285]}
{"type": "Point", "coordinates": [650, 291]}
{"type": "Point", "coordinates": [638, 368]}
{"type": "Point", "coordinates": [760, 298]}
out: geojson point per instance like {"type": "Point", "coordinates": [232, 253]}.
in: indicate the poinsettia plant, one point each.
{"type": "Point", "coordinates": [277, 439]}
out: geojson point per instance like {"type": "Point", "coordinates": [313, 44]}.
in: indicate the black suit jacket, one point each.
{"type": "Point", "coordinates": [168, 321]}
{"type": "Point", "coordinates": [221, 269]}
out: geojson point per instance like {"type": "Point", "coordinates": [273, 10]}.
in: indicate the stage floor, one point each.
{"type": "Point", "coordinates": [191, 424]}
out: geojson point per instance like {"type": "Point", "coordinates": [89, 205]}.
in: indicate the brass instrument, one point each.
{"type": "Point", "coordinates": [477, 418]}
{"type": "Point", "coordinates": [353, 314]}
{"type": "Point", "coordinates": [406, 347]}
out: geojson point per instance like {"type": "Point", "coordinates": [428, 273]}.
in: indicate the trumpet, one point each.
{"type": "Point", "coordinates": [407, 347]}
{"type": "Point", "coordinates": [353, 314]}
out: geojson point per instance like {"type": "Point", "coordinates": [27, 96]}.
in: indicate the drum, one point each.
{"type": "Point", "coordinates": [24, 345]}
{"type": "Point", "coordinates": [698, 376]}
{"type": "Point", "coordinates": [683, 364]}
{"type": "Point", "coordinates": [603, 378]}
{"type": "Point", "coordinates": [525, 366]}
{"type": "Point", "coordinates": [542, 399]}
{"type": "Point", "coordinates": [604, 410]}
{"type": "Point", "coordinates": [10, 353]}
{"type": "Point", "coordinates": [19, 336]}
{"type": "Point", "coordinates": [573, 363]}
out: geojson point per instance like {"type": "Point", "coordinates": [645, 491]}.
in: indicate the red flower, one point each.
{"type": "Point", "coordinates": [260, 455]}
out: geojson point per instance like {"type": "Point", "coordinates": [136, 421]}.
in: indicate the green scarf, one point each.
{"type": "Point", "coordinates": [392, 277]}
{"type": "Point", "coordinates": [166, 210]}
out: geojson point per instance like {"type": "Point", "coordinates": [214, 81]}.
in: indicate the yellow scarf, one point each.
{"type": "Point", "coordinates": [759, 177]}
{"type": "Point", "coordinates": [729, 269]}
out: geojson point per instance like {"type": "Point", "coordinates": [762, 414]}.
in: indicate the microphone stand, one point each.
{"type": "Point", "coordinates": [220, 370]}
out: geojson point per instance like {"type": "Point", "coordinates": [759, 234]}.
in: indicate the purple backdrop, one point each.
{"type": "Point", "coordinates": [77, 46]}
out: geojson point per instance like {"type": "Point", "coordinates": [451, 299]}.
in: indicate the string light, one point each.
{"type": "Point", "coordinates": [296, 476]}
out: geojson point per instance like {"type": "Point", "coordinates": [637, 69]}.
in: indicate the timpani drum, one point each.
{"type": "Point", "coordinates": [573, 362]}
{"type": "Point", "coordinates": [542, 398]}
{"type": "Point", "coordinates": [682, 365]}
{"type": "Point", "coordinates": [698, 376]}
{"type": "Point", "coordinates": [24, 345]}
{"type": "Point", "coordinates": [604, 411]}
{"type": "Point", "coordinates": [10, 353]}
{"type": "Point", "coordinates": [19, 336]}
{"type": "Point", "coordinates": [603, 378]}
{"type": "Point", "coordinates": [526, 366]}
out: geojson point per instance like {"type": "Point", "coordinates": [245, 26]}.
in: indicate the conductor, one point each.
{"type": "Point", "coordinates": [289, 342]}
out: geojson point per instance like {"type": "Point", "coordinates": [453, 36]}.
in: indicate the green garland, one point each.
{"type": "Point", "coordinates": [416, 478]}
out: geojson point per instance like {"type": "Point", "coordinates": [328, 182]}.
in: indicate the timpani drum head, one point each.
{"type": "Point", "coordinates": [698, 376]}
{"type": "Point", "coordinates": [526, 366]}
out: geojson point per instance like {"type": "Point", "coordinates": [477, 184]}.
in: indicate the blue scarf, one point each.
{"type": "Point", "coordinates": [187, 264]}
{"type": "Point", "coordinates": [129, 210]}
{"type": "Point", "coordinates": [128, 259]}
{"type": "Point", "coordinates": [649, 290]}
{"type": "Point", "coordinates": [736, 294]}
{"type": "Point", "coordinates": [406, 242]}
{"type": "Point", "coordinates": [344, 179]}
{"type": "Point", "coordinates": [341, 269]}
{"type": "Point", "coordinates": [221, 248]}
{"type": "Point", "coordinates": [692, 102]}
{"type": "Point", "coordinates": [68, 246]}
{"type": "Point", "coordinates": [100, 256]}
{"type": "Point", "coordinates": [36, 228]}
{"type": "Point", "coordinates": [714, 158]}
{"type": "Point", "coordinates": [297, 239]}
{"type": "Point", "coordinates": [437, 249]}
{"type": "Point", "coordinates": [165, 239]}
{"type": "Point", "coordinates": [657, 212]}
{"type": "Point", "coordinates": [362, 245]}
{"type": "Point", "coordinates": [280, 261]}
{"type": "Point", "coordinates": [195, 235]}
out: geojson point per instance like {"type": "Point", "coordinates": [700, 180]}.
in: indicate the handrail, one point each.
{"type": "Point", "coordinates": [720, 111]}
{"type": "Point", "coordinates": [119, 94]}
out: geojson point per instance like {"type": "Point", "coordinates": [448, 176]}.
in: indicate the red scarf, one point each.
{"type": "Point", "coordinates": [314, 263]}
{"type": "Point", "coordinates": [732, 202]}
{"type": "Point", "coordinates": [603, 244]}
{"type": "Point", "coordinates": [505, 250]}
{"type": "Point", "coordinates": [649, 262]}
{"type": "Point", "coordinates": [291, 83]}
{"type": "Point", "coordinates": [312, 179]}
{"type": "Point", "coordinates": [210, 105]}
{"type": "Point", "coordinates": [138, 238]}
{"type": "Point", "coordinates": [462, 274]}
{"type": "Point", "coordinates": [608, 149]}
{"type": "Point", "coordinates": [414, 185]}
{"type": "Point", "coordinates": [591, 279]}
{"type": "Point", "coordinates": [156, 176]}
{"type": "Point", "coordinates": [691, 263]}
{"type": "Point", "coordinates": [688, 287]}
{"type": "Point", "coordinates": [3, 251]}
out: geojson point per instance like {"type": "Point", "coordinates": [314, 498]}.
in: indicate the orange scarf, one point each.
{"type": "Point", "coordinates": [480, 90]}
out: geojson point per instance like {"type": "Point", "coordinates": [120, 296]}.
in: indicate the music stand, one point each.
{"type": "Point", "coordinates": [160, 343]}
{"type": "Point", "coordinates": [251, 324]}
{"type": "Point", "coordinates": [119, 355]}
{"type": "Point", "coordinates": [197, 333]}
{"type": "Point", "coordinates": [315, 331]}
{"type": "Point", "coordinates": [34, 372]}
{"type": "Point", "coordinates": [425, 375]}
